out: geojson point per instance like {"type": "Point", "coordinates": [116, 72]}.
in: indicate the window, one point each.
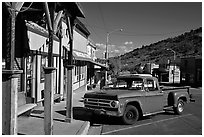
{"type": "Point", "coordinates": [77, 73]}
{"type": "Point", "coordinates": [75, 70]}
{"type": "Point", "coordinates": [3, 63]}
{"type": "Point", "coordinates": [82, 72]}
{"type": "Point", "coordinates": [121, 84]}
{"type": "Point", "coordinates": [137, 84]}
{"type": "Point", "coordinates": [151, 85]}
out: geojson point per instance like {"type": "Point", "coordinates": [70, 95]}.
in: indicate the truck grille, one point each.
{"type": "Point", "coordinates": [98, 103]}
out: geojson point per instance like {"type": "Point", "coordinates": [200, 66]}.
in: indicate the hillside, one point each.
{"type": "Point", "coordinates": [187, 44]}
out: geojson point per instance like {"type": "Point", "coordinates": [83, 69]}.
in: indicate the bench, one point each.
{"type": "Point", "coordinates": [90, 87]}
{"type": "Point", "coordinates": [23, 106]}
{"type": "Point", "coordinates": [57, 98]}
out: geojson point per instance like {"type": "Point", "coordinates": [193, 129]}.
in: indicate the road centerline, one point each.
{"type": "Point", "coordinates": [145, 124]}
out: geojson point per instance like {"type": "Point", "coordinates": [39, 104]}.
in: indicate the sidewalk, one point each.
{"type": "Point", "coordinates": [34, 125]}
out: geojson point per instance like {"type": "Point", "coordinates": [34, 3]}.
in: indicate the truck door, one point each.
{"type": "Point", "coordinates": [154, 101]}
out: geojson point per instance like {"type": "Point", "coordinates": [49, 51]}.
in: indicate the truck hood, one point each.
{"type": "Point", "coordinates": [113, 94]}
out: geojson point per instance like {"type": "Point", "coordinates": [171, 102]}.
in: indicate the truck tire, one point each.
{"type": "Point", "coordinates": [179, 107]}
{"type": "Point", "coordinates": [131, 115]}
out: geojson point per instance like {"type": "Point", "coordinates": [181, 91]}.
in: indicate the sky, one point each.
{"type": "Point", "coordinates": [142, 23]}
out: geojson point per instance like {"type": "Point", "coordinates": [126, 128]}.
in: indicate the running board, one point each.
{"type": "Point", "coordinates": [168, 107]}
{"type": "Point", "coordinates": [154, 113]}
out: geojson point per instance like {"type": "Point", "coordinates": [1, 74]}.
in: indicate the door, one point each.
{"type": "Point", "coordinates": [154, 101]}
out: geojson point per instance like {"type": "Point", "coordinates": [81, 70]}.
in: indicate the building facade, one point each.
{"type": "Point", "coordinates": [32, 81]}
{"type": "Point", "coordinates": [191, 71]}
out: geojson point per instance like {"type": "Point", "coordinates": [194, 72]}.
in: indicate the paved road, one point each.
{"type": "Point", "coordinates": [190, 123]}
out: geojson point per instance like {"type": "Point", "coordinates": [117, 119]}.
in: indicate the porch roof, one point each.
{"type": "Point", "coordinates": [87, 59]}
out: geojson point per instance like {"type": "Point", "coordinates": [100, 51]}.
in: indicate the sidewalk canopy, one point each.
{"type": "Point", "coordinates": [87, 59]}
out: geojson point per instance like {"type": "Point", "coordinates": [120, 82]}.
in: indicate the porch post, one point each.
{"type": "Point", "coordinates": [49, 100]}
{"type": "Point", "coordinates": [10, 76]}
{"type": "Point", "coordinates": [11, 42]}
{"type": "Point", "coordinates": [49, 73]}
{"type": "Point", "coordinates": [9, 101]}
{"type": "Point", "coordinates": [60, 57]}
{"type": "Point", "coordinates": [69, 98]}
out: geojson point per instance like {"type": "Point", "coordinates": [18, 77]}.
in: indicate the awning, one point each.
{"type": "Point", "coordinates": [81, 56]}
{"type": "Point", "coordinates": [84, 57]}
{"type": "Point", "coordinates": [98, 64]}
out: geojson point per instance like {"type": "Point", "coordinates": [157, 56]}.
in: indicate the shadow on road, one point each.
{"type": "Point", "coordinates": [80, 113]}
{"type": "Point", "coordinates": [84, 114]}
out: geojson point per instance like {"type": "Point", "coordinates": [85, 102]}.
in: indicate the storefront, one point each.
{"type": "Point", "coordinates": [37, 60]}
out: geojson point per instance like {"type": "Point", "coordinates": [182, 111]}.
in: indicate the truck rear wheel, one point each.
{"type": "Point", "coordinates": [131, 115]}
{"type": "Point", "coordinates": [179, 107]}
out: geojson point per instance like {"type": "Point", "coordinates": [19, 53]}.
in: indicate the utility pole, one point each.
{"type": "Point", "coordinates": [106, 53]}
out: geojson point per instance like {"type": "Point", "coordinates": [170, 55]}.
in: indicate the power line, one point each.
{"type": "Point", "coordinates": [87, 24]}
{"type": "Point", "coordinates": [126, 33]}
{"type": "Point", "coordinates": [101, 13]}
{"type": "Point", "coordinates": [151, 34]}
{"type": "Point", "coordinates": [98, 27]}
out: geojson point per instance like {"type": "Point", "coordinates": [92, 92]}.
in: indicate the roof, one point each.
{"type": "Point", "coordinates": [36, 10]}
{"type": "Point", "coordinates": [74, 8]}
{"type": "Point", "coordinates": [81, 27]}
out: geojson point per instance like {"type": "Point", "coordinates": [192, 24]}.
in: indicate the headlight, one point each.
{"type": "Point", "coordinates": [85, 100]}
{"type": "Point", "coordinates": [114, 104]}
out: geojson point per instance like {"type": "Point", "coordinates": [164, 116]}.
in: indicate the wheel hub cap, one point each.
{"type": "Point", "coordinates": [129, 115]}
{"type": "Point", "coordinates": [180, 107]}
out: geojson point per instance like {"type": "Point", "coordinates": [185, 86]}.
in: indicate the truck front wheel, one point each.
{"type": "Point", "coordinates": [179, 107]}
{"type": "Point", "coordinates": [131, 115]}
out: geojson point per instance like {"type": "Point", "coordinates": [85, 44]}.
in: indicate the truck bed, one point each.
{"type": "Point", "coordinates": [168, 89]}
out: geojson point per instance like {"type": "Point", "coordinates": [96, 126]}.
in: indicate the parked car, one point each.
{"type": "Point", "coordinates": [133, 96]}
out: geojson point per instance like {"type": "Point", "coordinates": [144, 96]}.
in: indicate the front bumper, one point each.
{"type": "Point", "coordinates": [104, 112]}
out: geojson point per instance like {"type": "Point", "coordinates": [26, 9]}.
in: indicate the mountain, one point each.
{"type": "Point", "coordinates": [187, 44]}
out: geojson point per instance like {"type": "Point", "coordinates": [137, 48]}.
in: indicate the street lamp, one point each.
{"type": "Point", "coordinates": [174, 61]}
{"type": "Point", "coordinates": [106, 53]}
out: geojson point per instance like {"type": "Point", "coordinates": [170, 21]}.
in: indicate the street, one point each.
{"type": "Point", "coordinates": [189, 123]}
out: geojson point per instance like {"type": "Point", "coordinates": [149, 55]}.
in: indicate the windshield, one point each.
{"type": "Point", "coordinates": [135, 84]}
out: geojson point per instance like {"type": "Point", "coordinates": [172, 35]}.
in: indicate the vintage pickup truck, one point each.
{"type": "Point", "coordinates": [133, 96]}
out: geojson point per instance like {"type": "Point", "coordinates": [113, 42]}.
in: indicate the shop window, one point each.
{"type": "Point", "coordinates": [44, 63]}
{"type": "Point", "coordinates": [3, 63]}
{"type": "Point", "coordinates": [77, 73]}
{"type": "Point", "coordinates": [82, 73]}
{"type": "Point", "coordinates": [29, 76]}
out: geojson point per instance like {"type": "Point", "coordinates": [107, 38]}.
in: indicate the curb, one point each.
{"type": "Point", "coordinates": [95, 130]}
{"type": "Point", "coordinates": [84, 128]}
